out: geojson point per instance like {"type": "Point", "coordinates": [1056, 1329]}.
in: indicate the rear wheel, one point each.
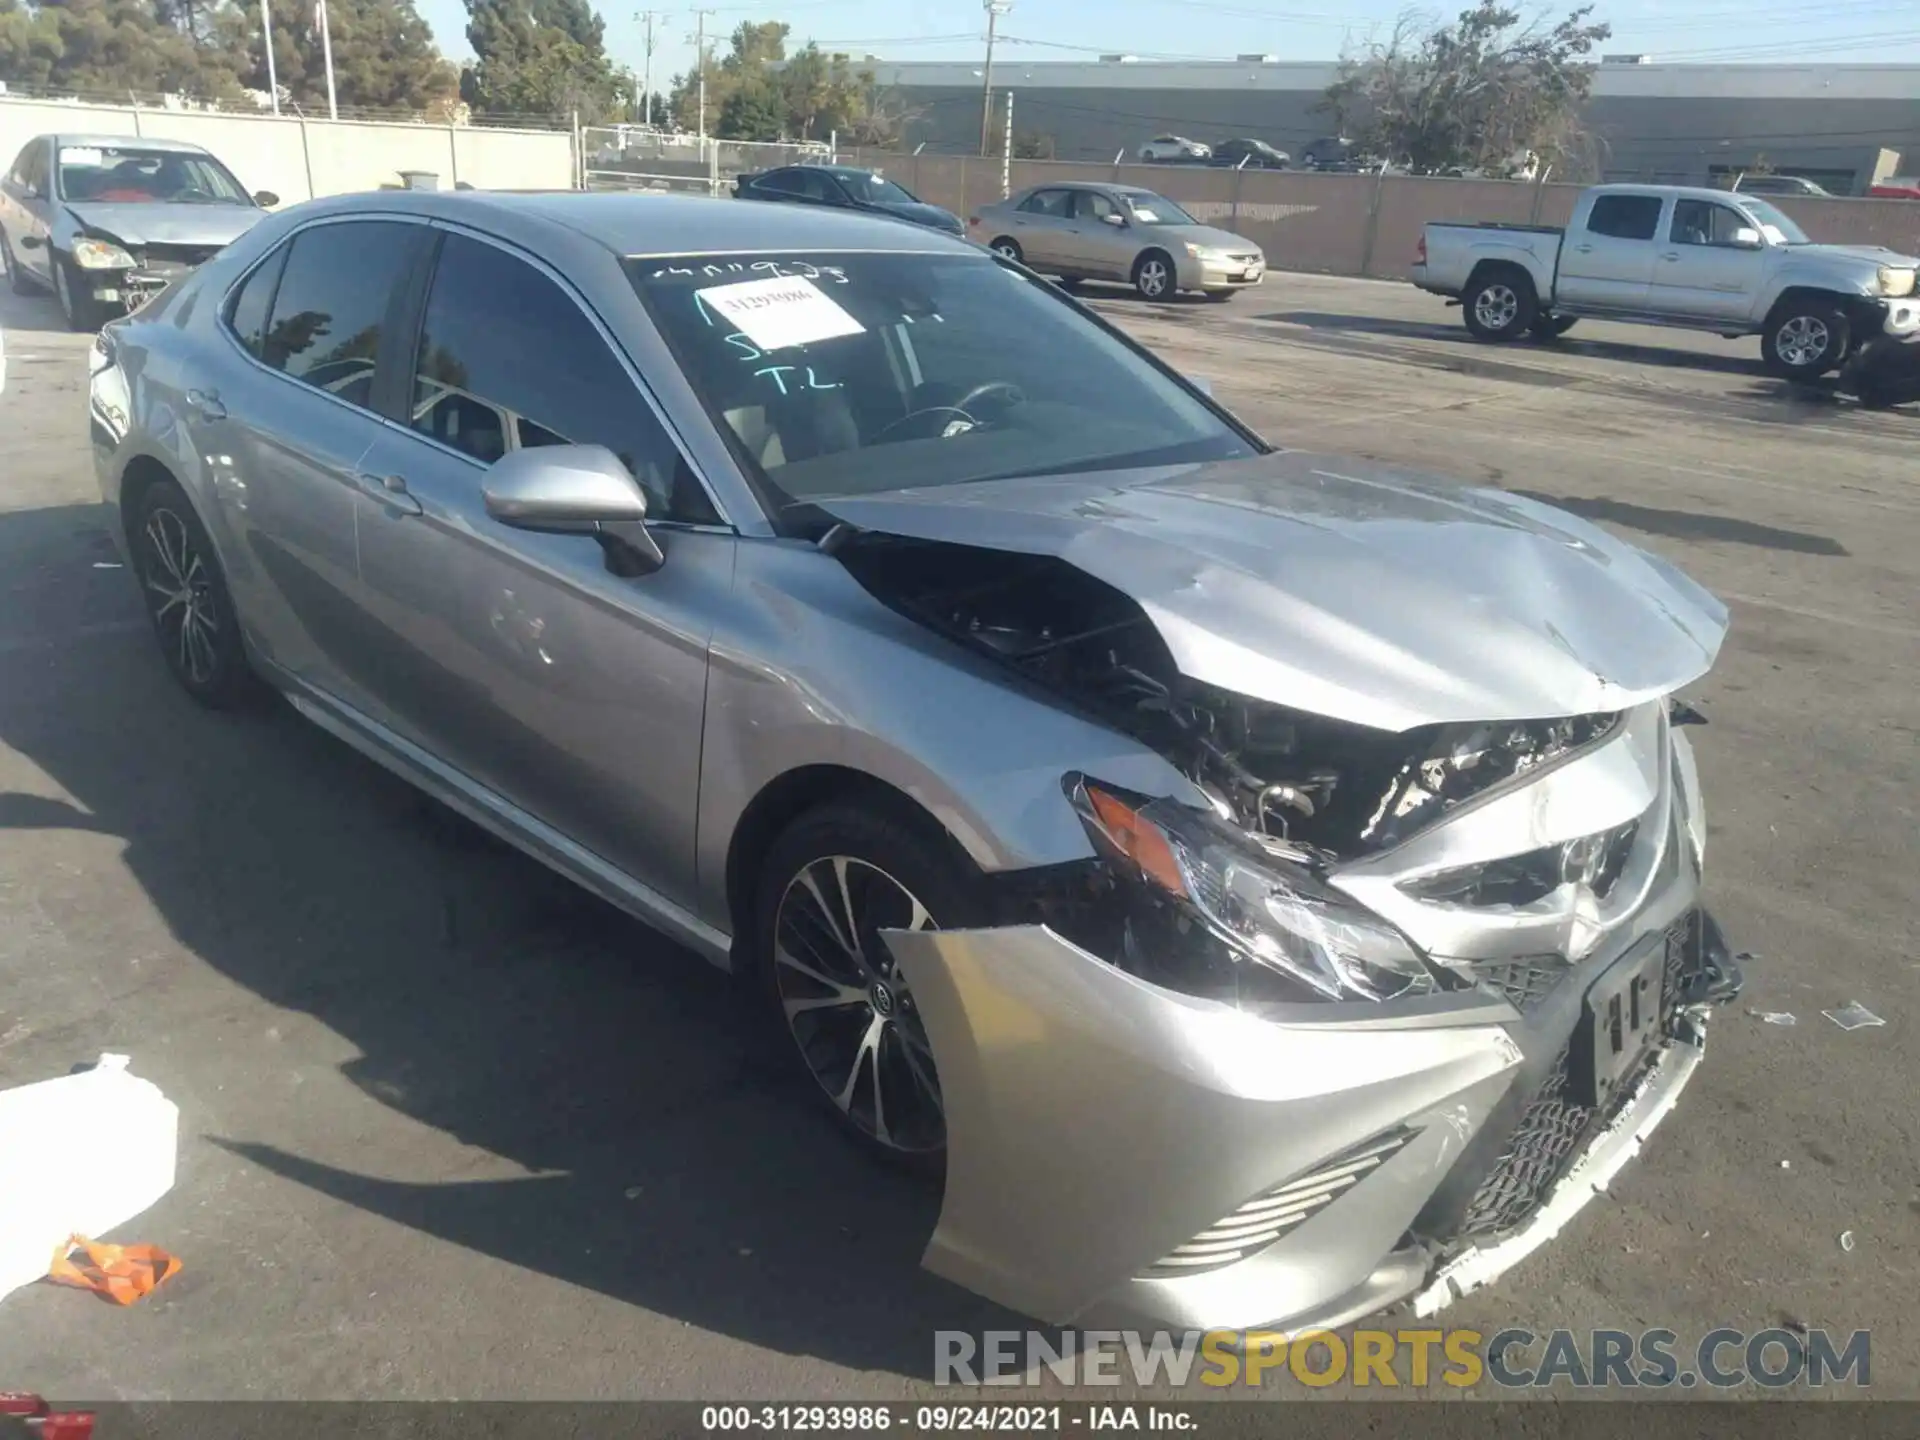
{"type": "Point", "coordinates": [1008, 249]}
{"type": "Point", "coordinates": [1805, 338]}
{"type": "Point", "coordinates": [1499, 305]}
{"type": "Point", "coordinates": [1153, 276]}
{"type": "Point", "coordinates": [832, 882]}
{"type": "Point", "coordinates": [188, 600]}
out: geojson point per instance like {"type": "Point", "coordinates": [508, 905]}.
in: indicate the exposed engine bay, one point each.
{"type": "Point", "coordinates": [1234, 904]}
{"type": "Point", "coordinates": [1340, 789]}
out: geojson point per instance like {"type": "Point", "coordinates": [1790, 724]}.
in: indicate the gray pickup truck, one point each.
{"type": "Point", "coordinates": [1730, 264]}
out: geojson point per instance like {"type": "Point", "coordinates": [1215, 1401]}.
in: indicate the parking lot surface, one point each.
{"type": "Point", "coordinates": [450, 1128]}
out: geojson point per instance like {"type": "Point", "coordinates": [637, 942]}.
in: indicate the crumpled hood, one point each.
{"type": "Point", "coordinates": [147, 223]}
{"type": "Point", "coordinates": [1350, 590]}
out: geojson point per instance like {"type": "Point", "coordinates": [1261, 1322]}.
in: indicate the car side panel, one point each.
{"type": "Point", "coordinates": [809, 669]}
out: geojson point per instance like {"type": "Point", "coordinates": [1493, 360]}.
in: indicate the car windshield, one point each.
{"type": "Point", "coordinates": [1146, 208]}
{"type": "Point", "coordinates": [875, 187]}
{"type": "Point", "coordinates": [137, 175]}
{"type": "Point", "coordinates": [1775, 225]}
{"type": "Point", "coordinates": [850, 374]}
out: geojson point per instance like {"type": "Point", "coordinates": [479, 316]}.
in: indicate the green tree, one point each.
{"type": "Point", "coordinates": [383, 55]}
{"type": "Point", "coordinates": [110, 47]}
{"type": "Point", "coordinates": [752, 111]}
{"type": "Point", "coordinates": [542, 57]}
{"type": "Point", "coordinates": [817, 94]}
{"type": "Point", "coordinates": [30, 45]}
{"type": "Point", "coordinates": [1474, 94]}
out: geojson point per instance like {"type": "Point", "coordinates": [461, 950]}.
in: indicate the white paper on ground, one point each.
{"type": "Point", "coordinates": [778, 313]}
{"type": "Point", "coordinates": [80, 1155]}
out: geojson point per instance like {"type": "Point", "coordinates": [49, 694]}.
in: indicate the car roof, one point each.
{"type": "Point", "coordinates": [124, 142]}
{"type": "Point", "coordinates": [1682, 192]}
{"type": "Point", "coordinates": [659, 225]}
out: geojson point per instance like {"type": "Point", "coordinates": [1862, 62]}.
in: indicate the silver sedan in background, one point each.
{"type": "Point", "coordinates": [1264, 887]}
{"type": "Point", "coordinates": [1081, 230]}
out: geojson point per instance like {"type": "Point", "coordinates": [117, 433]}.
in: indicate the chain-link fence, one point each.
{"type": "Point", "coordinates": [633, 157]}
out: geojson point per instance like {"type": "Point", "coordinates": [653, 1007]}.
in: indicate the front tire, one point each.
{"type": "Point", "coordinates": [1007, 248]}
{"type": "Point", "coordinates": [17, 279]}
{"type": "Point", "coordinates": [1805, 339]}
{"type": "Point", "coordinates": [1154, 276]}
{"type": "Point", "coordinates": [1500, 305]}
{"type": "Point", "coordinates": [83, 313]}
{"type": "Point", "coordinates": [187, 599]}
{"type": "Point", "coordinates": [827, 982]}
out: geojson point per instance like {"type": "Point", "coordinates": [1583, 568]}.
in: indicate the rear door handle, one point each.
{"type": "Point", "coordinates": [1584, 249]}
{"type": "Point", "coordinates": [390, 491]}
{"type": "Point", "coordinates": [1671, 255]}
{"type": "Point", "coordinates": [207, 404]}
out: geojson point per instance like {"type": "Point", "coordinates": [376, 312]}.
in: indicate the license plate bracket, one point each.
{"type": "Point", "coordinates": [1619, 1022]}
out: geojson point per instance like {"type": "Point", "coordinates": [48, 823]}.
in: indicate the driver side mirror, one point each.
{"type": "Point", "coordinates": [1747, 238]}
{"type": "Point", "coordinates": [1113, 218]}
{"type": "Point", "coordinates": [575, 490]}
{"type": "Point", "coordinates": [265, 199]}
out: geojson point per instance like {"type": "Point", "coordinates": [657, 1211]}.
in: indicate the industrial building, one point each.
{"type": "Point", "coordinates": [1844, 126]}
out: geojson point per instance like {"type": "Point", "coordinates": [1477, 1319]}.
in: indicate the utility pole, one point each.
{"type": "Point", "coordinates": [646, 17]}
{"type": "Point", "coordinates": [326, 51]}
{"type": "Point", "coordinates": [1006, 153]}
{"type": "Point", "coordinates": [995, 9]}
{"type": "Point", "coordinates": [266, 39]}
{"type": "Point", "coordinates": [700, 60]}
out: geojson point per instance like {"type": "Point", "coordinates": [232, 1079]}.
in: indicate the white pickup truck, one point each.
{"type": "Point", "coordinates": [1730, 264]}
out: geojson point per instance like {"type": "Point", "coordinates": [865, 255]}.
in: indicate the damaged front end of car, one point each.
{"type": "Point", "coordinates": [1363, 1015]}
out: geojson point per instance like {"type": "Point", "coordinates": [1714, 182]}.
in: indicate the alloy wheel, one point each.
{"type": "Point", "coordinates": [1495, 306]}
{"type": "Point", "coordinates": [1153, 278]}
{"type": "Point", "coordinates": [180, 597]}
{"type": "Point", "coordinates": [1803, 341]}
{"type": "Point", "coordinates": [849, 1007]}
{"type": "Point", "coordinates": [1007, 251]}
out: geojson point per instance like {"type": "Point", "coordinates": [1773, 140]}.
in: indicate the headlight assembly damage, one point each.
{"type": "Point", "coordinates": [1195, 885]}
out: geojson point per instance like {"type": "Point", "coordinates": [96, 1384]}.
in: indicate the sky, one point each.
{"type": "Point", "coordinates": [1703, 31]}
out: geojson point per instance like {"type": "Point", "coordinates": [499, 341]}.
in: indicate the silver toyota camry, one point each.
{"type": "Point", "coordinates": [1263, 888]}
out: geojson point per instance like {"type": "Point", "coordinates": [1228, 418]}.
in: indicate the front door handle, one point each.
{"type": "Point", "coordinates": [1584, 249]}
{"type": "Point", "coordinates": [390, 491]}
{"type": "Point", "coordinates": [206, 403]}
{"type": "Point", "coordinates": [1671, 255]}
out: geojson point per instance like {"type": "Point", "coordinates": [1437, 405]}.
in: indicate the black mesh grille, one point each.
{"type": "Point", "coordinates": [1522, 983]}
{"type": "Point", "coordinates": [1551, 1126]}
{"type": "Point", "coordinates": [170, 257]}
{"type": "Point", "coordinates": [1554, 1125]}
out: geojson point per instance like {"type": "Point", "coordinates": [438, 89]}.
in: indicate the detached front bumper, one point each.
{"type": "Point", "coordinates": [1122, 1154]}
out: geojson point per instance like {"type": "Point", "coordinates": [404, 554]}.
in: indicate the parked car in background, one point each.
{"type": "Point", "coordinates": [1249, 155]}
{"type": "Point", "coordinates": [1089, 230]}
{"type": "Point", "coordinates": [1730, 264]}
{"type": "Point", "coordinates": [1211, 860]}
{"type": "Point", "coordinates": [1776, 185]}
{"type": "Point", "coordinates": [108, 221]}
{"type": "Point", "coordinates": [1174, 147]}
{"type": "Point", "coordinates": [846, 187]}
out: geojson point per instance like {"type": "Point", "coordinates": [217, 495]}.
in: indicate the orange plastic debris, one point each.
{"type": "Point", "coordinates": [122, 1273]}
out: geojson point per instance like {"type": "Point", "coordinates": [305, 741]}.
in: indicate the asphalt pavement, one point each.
{"type": "Point", "coordinates": [452, 1129]}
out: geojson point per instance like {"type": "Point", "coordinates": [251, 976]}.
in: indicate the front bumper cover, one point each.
{"type": "Point", "coordinates": [1100, 1128]}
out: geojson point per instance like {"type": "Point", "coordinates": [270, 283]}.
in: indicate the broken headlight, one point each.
{"type": "Point", "coordinates": [1259, 897]}
{"type": "Point", "coordinates": [1593, 863]}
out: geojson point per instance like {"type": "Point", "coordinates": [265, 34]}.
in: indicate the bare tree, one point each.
{"type": "Point", "coordinates": [1478, 94]}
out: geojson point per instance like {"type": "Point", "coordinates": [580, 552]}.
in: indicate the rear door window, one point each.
{"type": "Point", "coordinates": [335, 301]}
{"type": "Point", "coordinates": [1056, 203]}
{"type": "Point", "coordinates": [1625, 217]}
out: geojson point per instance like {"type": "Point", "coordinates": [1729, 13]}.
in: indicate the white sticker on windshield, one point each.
{"type": "Point", "coordinates": [80, 155]}
{"type": "Point", "coordinates": [1140, 212]}
{"type": "Point", "coordinates": [777, 313]}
